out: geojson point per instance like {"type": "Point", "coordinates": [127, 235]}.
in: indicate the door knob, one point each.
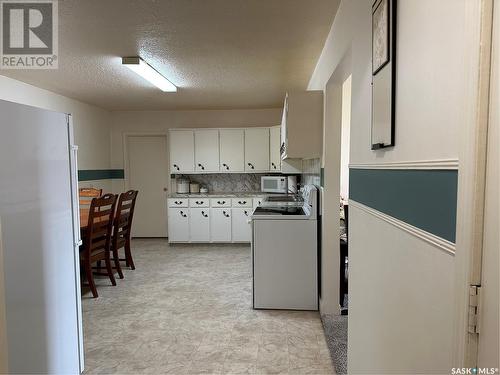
{"type": "Point", "coordinates": [165, 189]}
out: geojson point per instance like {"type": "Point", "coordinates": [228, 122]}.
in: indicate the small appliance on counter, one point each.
{"type": "Point", "coordinates": [274, 184]}
{"type": "Point", "coordinates": [194, 188]}
{"type": "Point", "coordinates": [203, 190]}
{"type": "Point", "coordinates": [182, 186]}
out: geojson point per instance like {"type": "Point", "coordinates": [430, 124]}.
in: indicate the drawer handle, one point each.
{"type": "Point", "coordinates": [201, 166]}
{"type": "Point", "coordinates": [219, 202]}
{"type": "Point", "coordinates": [204, 214]}
{"type": "Point", "coordinates": [178, 202]}
{"type": "Point", "coordinates": [225, 213]}
{"type": "Point", "coordinates": [274, 165]}
{"type": "Point", "coordinates": [199, 202]}
{"type": "Point", "coordinates": [251, 165]}
{"type": "Point", "coordinates": [183, 214]}
{"type": "Point", "coordinates": [225, 166]}
{"type": "Point", "coordinates": [176, 167]}
{"type": "Point", "coordinates": [246, 212]}
{"type": "Point", "coordinates": [240, 202]}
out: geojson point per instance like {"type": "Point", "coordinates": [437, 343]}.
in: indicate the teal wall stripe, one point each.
{"type": "Point", "coordinates": [100, 174]}
{"type": "Point", "coordinates": [322, 177]}
{"type": "Point", "coordinates": [426, 199]}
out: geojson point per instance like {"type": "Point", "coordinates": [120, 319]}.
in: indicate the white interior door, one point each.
{"type": "Point", "coordinates": [148, 173]}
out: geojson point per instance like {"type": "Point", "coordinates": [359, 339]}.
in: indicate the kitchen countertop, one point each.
{"type": "Point", "coordinates": [222, 195]}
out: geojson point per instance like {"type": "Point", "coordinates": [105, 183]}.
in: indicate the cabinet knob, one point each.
{"type": "Point", "coordinates": [176, 167]}
{"type": "Point", "coordinates": [201, 166]}
{"type": "Point", "coordinates": [225, 213]}
{"type": "Point", "coordinates": [183, 214]}
{"type": "Point", "coordinates": [240, 202]}
{"type": "Point", "coordinates": [219, 202]}
{"type": "Point", "coordinates": [204, 214]}
{"type": "Point", "coordinates": [251, 165]}
{"type": "Point", "coordinates": [274, 165]}
{"type": "Point", "coordinates": [225, 166]}
{"type": "Point", "coordinates": [246, 212]}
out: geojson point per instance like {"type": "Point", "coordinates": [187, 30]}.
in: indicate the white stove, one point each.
{"type": "Point", "coordinates": [285, 252]}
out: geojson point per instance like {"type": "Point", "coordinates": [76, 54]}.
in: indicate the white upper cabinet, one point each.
{"type": "Point", "coordinates": [232, 150]}
{"type": "Point", "coordinates": [257, 150]}
{"type": "Point", "coordinates": [181, 151]}
{"type": "Point", "coordinates": [274, 145]}
{"type": "Point", "coordinates": [302, 125]}
{"type": "Point", "coordinates": [206, 150]}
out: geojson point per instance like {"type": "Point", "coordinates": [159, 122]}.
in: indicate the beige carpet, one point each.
{"type": "Point", "coordinates": [186, 309]}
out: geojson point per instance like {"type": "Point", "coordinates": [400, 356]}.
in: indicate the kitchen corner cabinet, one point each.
{"type": "Point", "coordinates": [257, 150]}
{"type": "Point", "coordinates": [181, 151]}
{"type": "Point", "coordinates": [232, 150]}
{"type": "Point", "coordinates": [206, 150]}
{"type": "Point", "coordinates": [242, 230]}
{"type": "Point", "coordinates": [178, 224]}
{"type": "Point", "coordinates": [199, 224]}
{"type": "Point", "coordinates": [274, 147]}
{"type": "Point", "coordinates": [220, 224]}
{"type": "Point", "coordinates": [302, 125]}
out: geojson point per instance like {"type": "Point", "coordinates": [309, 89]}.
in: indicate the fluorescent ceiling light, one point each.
{"type": "Point", "coordinates": [147, 72]}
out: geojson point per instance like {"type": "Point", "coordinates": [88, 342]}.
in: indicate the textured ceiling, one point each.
{"type": "Point", "coordinates": [220, 53]}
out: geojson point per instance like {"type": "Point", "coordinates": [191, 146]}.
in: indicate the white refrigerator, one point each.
{"type": "Point", "coordinates": [39, 239]}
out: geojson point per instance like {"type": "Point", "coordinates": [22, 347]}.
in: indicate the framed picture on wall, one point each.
{"type": "Point", "coordinates": [383, 127]}
{"type": "Point", "coordinates": [380, 35]}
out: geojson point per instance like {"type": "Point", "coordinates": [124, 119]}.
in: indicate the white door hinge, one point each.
{"type": "Point", "coordinates": [474, 308]}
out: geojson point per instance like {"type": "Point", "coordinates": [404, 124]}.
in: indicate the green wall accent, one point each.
{"type": "Point", "coordinates": [426, 199]}
{"type": "Point", "coordinates": [100, 174]}
{"type": "Point", "coordinates": [322, 177]}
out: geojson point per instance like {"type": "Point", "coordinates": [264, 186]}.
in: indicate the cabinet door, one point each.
{"type": "Point", "coordinates": [206, 150]}
{"type": "Point", "coordinates": [181, 151]}
{"type": "Point", "coordinates": [220, 225]}
{"type": "Point", "coordinates": [178, 225]}
{"type": "Point", "coordinates": [274, 148]}
{"type": "Point", "coordinates": [232, 150]}
{"type": "Point", "coordinates": [257, 150]}
{"type": "Point", "coordinates": [242, 231]}
{"type": "Point", "coordinates": [199, 225]}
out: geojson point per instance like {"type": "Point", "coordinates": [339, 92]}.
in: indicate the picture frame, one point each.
{"type": "Point", "coordinates": [383, 116]}
{"type": "Point", "coordinates": [381, 30]}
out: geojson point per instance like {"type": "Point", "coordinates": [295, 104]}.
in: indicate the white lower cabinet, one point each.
{"type": "Point", "coordinates": [220, 224]}
{"type": "Point", "coordinates": [199, 224]}
{"type": "Point", "coordinates": [241, 228]}
{"type": "Point", "coordinates": [178, 224]}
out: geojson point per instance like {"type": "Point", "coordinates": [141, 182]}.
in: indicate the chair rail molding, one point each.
{"type": "Point", "coordinates": [438, 242]}
{"type": "Point", "coordinates": [440, 164]}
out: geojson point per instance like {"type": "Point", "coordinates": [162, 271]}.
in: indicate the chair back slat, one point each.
{"type": "Point", "coordinates": [100, 224]}
{"type": "Point", "coordinates": [124, 215]}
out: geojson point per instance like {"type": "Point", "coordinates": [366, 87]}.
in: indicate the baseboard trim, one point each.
{"type": "Point", "coordinates": [438, 242]}
{"type": "Point", "coordinates": [418, 164]}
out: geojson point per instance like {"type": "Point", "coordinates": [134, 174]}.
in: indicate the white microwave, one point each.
{"type": "Point", "coordinates": [274, 184]}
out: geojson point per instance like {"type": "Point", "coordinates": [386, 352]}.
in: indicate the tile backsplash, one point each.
{"type": "Point", "coordinates": [311, 171]}
{"type": "Point", "coordinates": [227, 182]}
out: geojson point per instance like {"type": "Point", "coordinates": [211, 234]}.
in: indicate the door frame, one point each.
{"type": "Point", "coordinates": [126, 162]}
{"type": "Point", "coordinates": [472, 174]}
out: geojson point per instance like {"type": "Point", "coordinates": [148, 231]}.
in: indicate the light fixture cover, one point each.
{"type": "Point", "coordinates": [149, 73]}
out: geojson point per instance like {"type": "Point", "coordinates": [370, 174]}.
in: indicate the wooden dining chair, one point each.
{"type": "Point", "coordinates": [97, 239]}
{"type": "Point", "coordinates": [122, 230]}
{"type": "Point", "coordinates": [86, 195]}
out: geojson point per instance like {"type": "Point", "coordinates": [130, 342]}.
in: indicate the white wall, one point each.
{"type": "Point", "coordinates": [161, 121]}
{"type": "Point", "coordinates": [3, 325]}
{"type": "Point", "coordinates": [390, 270]}
{"type": "Point", "coordinates": [91, 124]}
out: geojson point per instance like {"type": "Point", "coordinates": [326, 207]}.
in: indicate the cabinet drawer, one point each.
{"type": "Point", "coordinates": [199, 202]}
{"type": "Point", "coordinates": [242, 202]}
{"type": "Point", "coordinates": [177, 202]}
{"type": "Point", "coordinates": [220, 202]}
